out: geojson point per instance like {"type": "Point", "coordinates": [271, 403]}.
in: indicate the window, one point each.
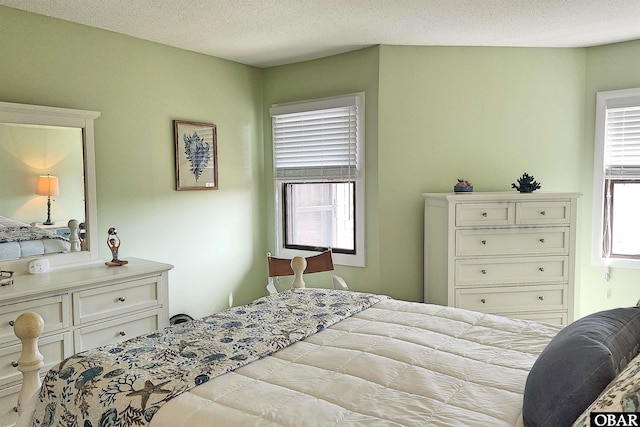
{"type": "Point", "coordinates": [617, 179]}
{"type": "Point", "coordinates": [318, 158]}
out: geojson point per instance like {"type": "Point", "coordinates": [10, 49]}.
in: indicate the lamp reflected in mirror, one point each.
{"type": "Point", "coordinates": [48, 186]}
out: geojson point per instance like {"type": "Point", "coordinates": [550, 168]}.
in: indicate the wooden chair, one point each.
{"type": "Point", "coordinates": [278, 267]}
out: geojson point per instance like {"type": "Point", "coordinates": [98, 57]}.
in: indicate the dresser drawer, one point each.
{"type": "Point", "coordinates": [543, 213]}
{"type": "Point", "coordinates": [8, 402]}
{"type": "Point", "coordinates": [118, 330]}
{"type": "Point", "coordinates": [114, 300]}
{"type": "Point", "coordinates": [472, 214]}
{"type": "Point", "coordinates": [550, 240]}
{"type": "Point", "coordinates": [472, 272]}
{"type": "Point", "coordinates": [53, 348]}
{"type": "Point", "coordinates": [54, 310]}
{"type": "Point", "coordinates": [556, 317]}
{"type": "Point", "coordinates": [508, 299]}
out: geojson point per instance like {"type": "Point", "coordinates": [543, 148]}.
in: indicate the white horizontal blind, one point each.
{"type": "Point", "coordinates": [317, 144]}
{"type": "Point", "coordinates": [622, 143]}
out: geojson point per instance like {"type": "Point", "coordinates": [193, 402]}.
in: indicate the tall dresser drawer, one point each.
{"type": "Point", "coordinates": [54, 311]}
{"type": "Point", "coordinates": [511, 270]}
{"type": "Point", "coordinates": [53, 348]}
{"type": "Point", "coordinates": [557, 317]}
{"type": "Point", "coordinates": [115, 331]}
{"type": "Point", "coordinates": [528, 298]}
{"type": "Point", "coordinates": [471, 214]}
{"type": "Point", "coordinates": [118, 299]}
{"type": "Point", "coordinates": [509, 241]}
{"type": "Point", "coordinates": [543, 213]}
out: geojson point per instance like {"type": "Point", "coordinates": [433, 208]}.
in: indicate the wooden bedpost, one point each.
{"type": "Point", "coordinates": [74, 238]}
{"type": "Point", "coordinates": [28, 327]}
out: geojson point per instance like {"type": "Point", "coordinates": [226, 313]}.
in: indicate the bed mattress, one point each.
{"type": "Point", "coordinates": [396, 363]}
{"type": "Point", "coordinates": [18, 240]}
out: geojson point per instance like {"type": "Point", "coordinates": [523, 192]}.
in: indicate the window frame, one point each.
{"type": "Point", "coordinates": [358, 258]}
{"type": "Point", "coordinates": [605, 100]}
{"type": "Point", "coordinates": [285, 202]}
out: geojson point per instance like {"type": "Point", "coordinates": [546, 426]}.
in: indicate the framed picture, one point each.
{"type": "Point", "coordinates": [196, 156]}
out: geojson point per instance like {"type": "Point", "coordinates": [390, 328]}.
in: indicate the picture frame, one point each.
{"type": "Point", "coordinates": [196, 147]}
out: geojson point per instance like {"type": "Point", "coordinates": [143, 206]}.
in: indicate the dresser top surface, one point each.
{"type": "Point", "coordinates": [69, 278]}
{"type": "Point", "coordinates": [501, 195]}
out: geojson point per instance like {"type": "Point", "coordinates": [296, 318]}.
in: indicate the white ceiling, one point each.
{"type": "Point", "coordinates": [273, 32]}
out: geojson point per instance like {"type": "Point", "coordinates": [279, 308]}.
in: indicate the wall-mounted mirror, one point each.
{"type": "Point", "coordinates": [47, 177]}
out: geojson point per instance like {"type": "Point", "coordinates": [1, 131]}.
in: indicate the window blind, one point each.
{"type": "Point", "coordinates": [622, 143]}
{"type": "Point", "coordinates": [316, 144]}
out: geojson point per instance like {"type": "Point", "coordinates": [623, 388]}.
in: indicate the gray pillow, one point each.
{"type": "Point", "coordinates": [578, 364]}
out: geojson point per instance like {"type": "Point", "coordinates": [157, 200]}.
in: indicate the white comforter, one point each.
{"type": "Point", "coordinates": [397, 363]}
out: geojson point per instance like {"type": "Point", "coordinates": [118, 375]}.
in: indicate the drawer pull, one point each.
{"type": "Point", "coordinates": [541, 269]}
{"type": "Point", "coordinates": [483, 300]}
{"type": "Point", "coordinates": [543, 213]}
{"type": "Point", "coordinates": [122, 333]}
{"type": "Point", "coordinates": [484, 242]}
{"type": "Point", "coordinates": [541, 240]}
{"type": "Point", "coordinates": [14, 364]}
{"type": "Point", "coordinates": [122, 299]}
{"type": "Point", "coordinates": [483, 271]}
{"type": "Point", "coordinates": [541, 298]}
{"type": "Point", "coordinates": [11, 323]}
{"type": "Point", "coordinates": [484, 214]}
{"type": "Point", "coordinates": [15, 409]}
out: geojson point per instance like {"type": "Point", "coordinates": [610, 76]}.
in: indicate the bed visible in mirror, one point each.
{"type": "Point", "coordinates": [20, 240]}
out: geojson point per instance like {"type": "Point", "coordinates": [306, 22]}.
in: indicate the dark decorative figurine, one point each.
{"type": "Point", "coordinates": [113, 241]}
{"type": "Point", "coordinates": [463, 186]}
{"type": "Point", "coordinates": [527, 184]}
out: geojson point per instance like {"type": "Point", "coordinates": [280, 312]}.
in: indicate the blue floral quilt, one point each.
{"type": "Point", "coordinates": [25, 232]}
{"type": "Point", "coordinates": [125, 384]}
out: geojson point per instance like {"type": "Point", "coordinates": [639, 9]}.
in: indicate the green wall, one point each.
{"type": "Point", "coordinates": [610, 67]}
{"type": "Point", "coordinates": [483, 114]}
{"type": "Point", "coordinates": [215, 239]}
{"type": "Point", "coordinates": [433, 114]}
{"type": "Point", "coordinates": [336, 75]}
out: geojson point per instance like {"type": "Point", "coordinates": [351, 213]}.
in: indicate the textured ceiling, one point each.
{"type": "Point", "coordinates": [272, 32]}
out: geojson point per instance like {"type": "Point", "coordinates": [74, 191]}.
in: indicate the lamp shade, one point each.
{"type": "Point", "coordinates": [48, 186]}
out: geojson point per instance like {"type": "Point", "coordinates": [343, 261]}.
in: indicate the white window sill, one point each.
{"type": "Point", "coordinates": [617, 263]}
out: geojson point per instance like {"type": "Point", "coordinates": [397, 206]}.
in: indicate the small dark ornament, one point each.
{"type": "Point", "coordinates": [527, 184]}
{"type": "Point", "coordinates": [463, 186]}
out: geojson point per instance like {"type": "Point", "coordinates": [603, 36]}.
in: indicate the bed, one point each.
{"type": "Point", "coordinates": [329, 357]}
{"type": "Point", "coordinates": [18, 240]}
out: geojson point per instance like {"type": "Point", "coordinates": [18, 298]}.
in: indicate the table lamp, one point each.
{"type": "Point", "coordinates": [48, 186]}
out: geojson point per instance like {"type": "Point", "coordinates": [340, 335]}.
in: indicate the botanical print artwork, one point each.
{"type": "Point", "coordinates": [125, 384]}
{"type": "Point", "coordinates": [197, 151]}
{"type": "Point", "coordinates": [196, 155]}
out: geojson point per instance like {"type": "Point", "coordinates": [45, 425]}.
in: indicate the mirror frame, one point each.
{"type": "Point", "coordinates": [64, 117]}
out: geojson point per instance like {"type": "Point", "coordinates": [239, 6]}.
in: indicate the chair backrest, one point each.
{"type": "Point", "coordinates": [315, 264]}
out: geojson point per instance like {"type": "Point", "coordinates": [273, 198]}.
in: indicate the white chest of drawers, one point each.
{"type": "Point", "coordinates": [505, 253]}
{"type": "Point", "coordinates": [83, 307]}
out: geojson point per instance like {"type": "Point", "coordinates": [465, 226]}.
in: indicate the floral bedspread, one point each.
{"type": "Point", "coordinates": [125, 384]}
{"type": "Point", "coordinates": [25, 232]}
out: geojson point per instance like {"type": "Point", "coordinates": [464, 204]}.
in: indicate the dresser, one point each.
{"type": "Point", "coordinates": [505, 253]}
{"type": "Point", "coordinates": [83, 307]}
